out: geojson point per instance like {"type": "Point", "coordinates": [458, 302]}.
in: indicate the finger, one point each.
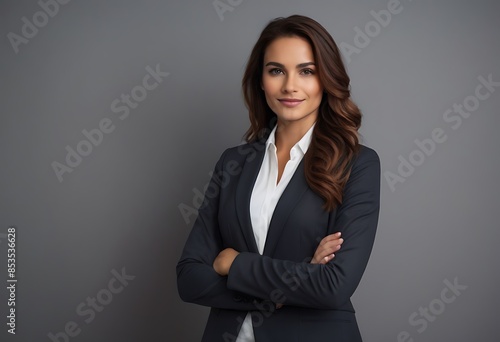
{"type": "Point", "coordinates": [328, 249]}
{"type": "Point", "coordinates": [331, 245]}
{"type": "Point", "coordinates": [320, 255]}
{"type": "Point", "coordinates": [327, 259]}
{"type": "Point", "coordinates": [329, 238]}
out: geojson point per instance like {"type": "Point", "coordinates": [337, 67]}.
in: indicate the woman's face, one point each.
{"type": "Point", "coordinates": [289, 72]}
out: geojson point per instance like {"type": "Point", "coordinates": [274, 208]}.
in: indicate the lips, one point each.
{"type": "Point", "coordinates": [290, 102]}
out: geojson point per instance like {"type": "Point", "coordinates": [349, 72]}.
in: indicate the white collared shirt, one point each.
{"type": "Point", "coordinates": [265, 196]}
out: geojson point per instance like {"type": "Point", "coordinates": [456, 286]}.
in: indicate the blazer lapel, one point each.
{"type": "Point", "coordinates": [249, 173]}
{"type": "Point", "coordinates": [287, 202]}
{"type": "Point", "coordinates": [289, 199]}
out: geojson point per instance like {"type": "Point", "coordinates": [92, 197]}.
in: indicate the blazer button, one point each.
{"type": "Point", "coordinates": [237, 298]}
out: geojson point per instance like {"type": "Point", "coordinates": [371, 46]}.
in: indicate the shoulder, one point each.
{"type": "Point", "coordinates": [241, 153]}
{"type": "Point", "coordinates": [366, 154]}
{"type": "Point", "coordinates": [365, 158]}
{"type": "Point", "coordinates": [365, 167]}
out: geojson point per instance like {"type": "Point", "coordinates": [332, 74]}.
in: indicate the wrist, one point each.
{"type": "Point", "coordinates": [233, 258]}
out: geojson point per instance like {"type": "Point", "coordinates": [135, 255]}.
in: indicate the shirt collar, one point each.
{"type": "Point", "coordinates": [301, 146]}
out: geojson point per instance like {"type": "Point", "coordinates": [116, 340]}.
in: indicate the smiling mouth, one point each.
{"type": "Point", "coordinates": [290, 102]}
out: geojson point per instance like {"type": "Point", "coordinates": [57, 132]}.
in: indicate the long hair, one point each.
{"type": "Point", "coordinates": [335, 141]}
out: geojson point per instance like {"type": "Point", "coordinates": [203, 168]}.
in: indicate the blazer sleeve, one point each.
{"type": "Point", "coordinates": [197, 281]}
{"type": "Point", "coordinates": [326, 286]}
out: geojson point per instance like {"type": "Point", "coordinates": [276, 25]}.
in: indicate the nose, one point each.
{"type": "Point", "coordinates": [289, 84]}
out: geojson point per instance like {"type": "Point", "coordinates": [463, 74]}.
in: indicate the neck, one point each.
{"type": "Point", "coordinates": [289, 133]}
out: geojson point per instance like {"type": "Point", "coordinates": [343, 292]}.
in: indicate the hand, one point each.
{"type": "Point", "coordinates": [326, 249]}
{"type": "Point", "coordinates": [224, 260]}
{"type": "Point", "coordinates": [324, 252]}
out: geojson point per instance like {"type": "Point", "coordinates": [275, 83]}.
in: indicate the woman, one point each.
{"type": "Point", "coordinates": [289, 218]}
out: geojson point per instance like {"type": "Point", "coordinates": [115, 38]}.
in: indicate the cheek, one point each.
{"type": "Point", "coordinates": [269, 97]}
{"type": "Point", "coordinates": [314, 90]}
{"type": "Point", "coordinates": [269, 101]}
{"type": "Point", "coordinates": [270, 85]}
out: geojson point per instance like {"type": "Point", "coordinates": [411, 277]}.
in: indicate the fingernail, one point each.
{"type": "Point", "coordinates": [339, 233]}
{"type": "Point", "coordinates": [341, 240]}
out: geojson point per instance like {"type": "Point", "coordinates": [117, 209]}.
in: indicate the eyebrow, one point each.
{"type": "Point", "coordinates": [301, 65]}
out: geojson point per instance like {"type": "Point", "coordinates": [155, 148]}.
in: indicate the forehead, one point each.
{"type": "Point", "coordinates": [293, 50]}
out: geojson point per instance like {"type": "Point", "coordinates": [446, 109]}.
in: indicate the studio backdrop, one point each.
{"type": "Point", "coordinates": [114, 113]}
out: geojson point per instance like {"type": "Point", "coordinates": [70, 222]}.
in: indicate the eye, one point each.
{"type": "Point", "coordinates": [308, 71]}
{"type": "Point", "coordinates": [275, 71]}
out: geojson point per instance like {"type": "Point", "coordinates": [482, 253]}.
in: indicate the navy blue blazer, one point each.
{"type": "Point", "coordinates": [316, 298]}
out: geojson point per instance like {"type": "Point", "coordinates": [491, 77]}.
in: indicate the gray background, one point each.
{"type": "Point", "coordinates": [119, 207]}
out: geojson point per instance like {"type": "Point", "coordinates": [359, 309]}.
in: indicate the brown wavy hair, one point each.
{"type": "Point", "coordinates": [335, 142]}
